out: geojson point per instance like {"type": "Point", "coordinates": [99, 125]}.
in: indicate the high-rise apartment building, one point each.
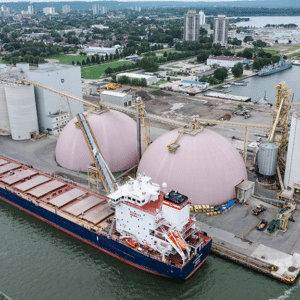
{"type": "Point", "coordinates": [221, 25]}
{"type": "Point", "coordinates": [49, 10]}
{"type": "Point", "coordinates": [202, 17]}
{"type": "Point", "coordinates": [96, 9]}
{"type": "Point", "coordinates": [103, 10]}
{"type": "Point", "coordinates": [191, 26]}
{"type": "Point", "coordinates": [66, 9]}
{"type": "Point", "coordinates": [30, 9]}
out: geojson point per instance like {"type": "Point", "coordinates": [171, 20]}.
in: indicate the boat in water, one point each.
{"type": "Point", "coordinates": [264, 100]}
{"type": "Point", "coordinates": [138, 223]}
{"type": "Point", "coordinates": [277, 67]}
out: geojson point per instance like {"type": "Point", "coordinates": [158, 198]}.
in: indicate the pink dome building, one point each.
{"type": "Point", "coordinates": [205, 167]}
{"type": "Point", "coordinates": [116, 135]}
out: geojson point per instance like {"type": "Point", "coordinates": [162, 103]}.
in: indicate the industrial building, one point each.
{"type": "Point", "coordinates": [102, 51]}
{"type": "Point", "coordinates": [18, 115]}
{"type": "Point", "coordinates": [51, 107]}
{"type": "Point", "coordinates": [149, 78]}
{"type": "Point", "coordinates": [115, 134]}
{"type": "Point", "coordinates": [192, 83]}
{"type": "Point", "coordinates": [221, 25]}
{"type": "Point", "coordinates": [227, 62]}
{"type": "Point", "coordinates": [117, 98]}
{"type": "Point", "coordinates": [206, 167]}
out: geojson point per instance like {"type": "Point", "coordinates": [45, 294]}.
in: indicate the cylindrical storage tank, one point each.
{"type": "Point", "coordinates": [206, 167]}
{"type": "Point", "coordinates": [22, 111]}
{"type": "Point", "coordinates": [292, 169]}
{"type": "Point", "coordinates": [4, 119]}
{"type": "Point", "coordinates": [267, 159]}
{"type": "Point", "coordinates": [116, 135]}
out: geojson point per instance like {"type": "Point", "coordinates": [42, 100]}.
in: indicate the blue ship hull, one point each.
{"type": "Point", "coordinates": [105, 244]}
{"type": "Point", "coordinates": [287, 66]}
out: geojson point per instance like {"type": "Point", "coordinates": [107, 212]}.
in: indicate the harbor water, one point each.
{"type": "Point", "coordinates": [257, 86]}
{"type": "Point", "coordinates": [40, 262]}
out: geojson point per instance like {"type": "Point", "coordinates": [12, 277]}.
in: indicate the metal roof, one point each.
{"type": "Point", "coordinates": [98, 214]}
{"type": "Point", "coordinates": [66, 197]}
{"type": "Point", "coordinates": [29, 184]}
{"type": "Point", "coordinates": [116, 94]}
{"type": "Point", "coordinates": [46, 188]}
{"type": "Point", "coordinates": [8, 167]}
{"type": "Point", "coordinates": [3, 161]}
{"type": "Point", "coordinates": [83, 205]}
{"type": "Point", "coordinates": [193, 82]}
{"type": "Point", "coordinates": [18, 176]}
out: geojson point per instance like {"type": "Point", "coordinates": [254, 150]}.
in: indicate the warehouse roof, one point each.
{"type": "Point", "coordinates": [116, 94]}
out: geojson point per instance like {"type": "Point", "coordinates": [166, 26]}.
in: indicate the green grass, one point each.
{"type": "Point", "coordinates": [94, 72]}
{"type": "Point", "coordinates": [67, 59]}
{"type": "Point", "coordinates": [163, 51]}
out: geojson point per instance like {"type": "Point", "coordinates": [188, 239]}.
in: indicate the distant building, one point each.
{"type": "Point", "coordinates": [102, 51]}
{"type": "Point", "coordinates": [66, 9]}
{"type": "Point", "coordinates": [221, 25]}
{"type": "Point", "coordinates": [225, 61]}
{"type": "Point", "coordinates": [117, 98]}
{"type": "Point", "coordinates": [103, 10]}
{"type": "Point", "coordinates": [30, 9]}
{"type": "Point", "coordinates": [150, 79]}
{"type": "Point", "coordinates": [49, 10]}
{"type": "Point", "coordinates": [95, 9]}
{"type": "Point", "coordinates": [202, 17]}
{"type": "Point", "coordinates": [191, 26]}
{"type": "Point", "coordinates": [191, 83]}
{"type": "Point", "coordinates": [99, 26]}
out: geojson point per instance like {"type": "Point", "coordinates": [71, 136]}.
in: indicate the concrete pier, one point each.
{"type": "Point", "coordinates": [236, 238]}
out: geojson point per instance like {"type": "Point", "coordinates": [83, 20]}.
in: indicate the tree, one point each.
{"type": "Point", "coordinates": [36, 60]}
{"type": "Point", "coordinates": [221, 73]}
{"type": "Point", "coordinates": [111, 56]}
{"type": "Point", "coordinates": [93, 59]}
{"type": "Point", "coordinates": [149, 64]}
{"type": "Point", "coordinates": [143, 82]}
{"type": "Point", "coordinates": [83, 62]}
{"type": "Point", "coordinates": [73, 62]}
{"type": "Point", "coordinates": [88, 61]}
{"type": "Point", "coordinates": [248, 38]}
{"type": "Point", "coordinates": [237, 70]}
{"type": "Point", "coordinates": [106, 57]}
{"type": "Point", "coordinates": [202, 57]}
{"type": "Point", "coordinates": [109, 70]}
{"type": "Point", "coordinates": [102, 59]}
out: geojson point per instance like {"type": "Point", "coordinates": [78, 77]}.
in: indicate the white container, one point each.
{"type": "Point", "coordinates": [267, 158]}
{"type": "Point", "coordinates": [4, 119]}
{"type": "Point", "coordinates": [22, 111]}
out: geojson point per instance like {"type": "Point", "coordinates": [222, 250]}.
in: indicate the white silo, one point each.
{"type": "Point", "coordinates": [4, 119]}
{"type": "Point", "coordinates": [22, 111]}
{"type": "Point", "coordinates": [292, 169]}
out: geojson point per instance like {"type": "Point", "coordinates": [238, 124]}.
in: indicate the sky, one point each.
{"type": "Point", "coordinates": [35, 1]}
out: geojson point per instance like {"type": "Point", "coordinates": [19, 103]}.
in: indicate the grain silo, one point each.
{"type": "Point", "coordinates": [4, 119]}
{"type": "Point", "coordinates": [267, 162]}
{"type": "Point", "coordinates": [292, 169]}
{"type": "Point", "coordinates": [21, 111]}
{"type": "Point", "coordinates": [116, 136]}
{"type": "Point", "coordinates": [206, 167]}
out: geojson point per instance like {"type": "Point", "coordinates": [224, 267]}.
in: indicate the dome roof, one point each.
{"type": "Point", "coordinates": [116, 135]}
{"type": "Point", "coordinates": [205, 167]}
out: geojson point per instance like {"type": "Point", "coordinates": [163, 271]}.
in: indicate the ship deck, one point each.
{"type": "Point", "coordinates": [74, 203]}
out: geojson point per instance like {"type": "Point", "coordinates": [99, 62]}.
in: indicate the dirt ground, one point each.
{"type": "Point", "coordinates": [185, 108]}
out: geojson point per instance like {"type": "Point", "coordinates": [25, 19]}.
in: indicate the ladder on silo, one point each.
{"type": "Point", "coordinates": [105, 174]}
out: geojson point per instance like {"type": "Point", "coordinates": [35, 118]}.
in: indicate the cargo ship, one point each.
{"type": "Point", "coordinates": [139, 223]}
{"type": "Point", "coordinates": [280, 66]}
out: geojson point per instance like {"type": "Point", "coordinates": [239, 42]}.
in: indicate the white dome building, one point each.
{"type": "Point", "coordinates": [116, 135]}
{"type": "Point", "coordinates": [205, 167]}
